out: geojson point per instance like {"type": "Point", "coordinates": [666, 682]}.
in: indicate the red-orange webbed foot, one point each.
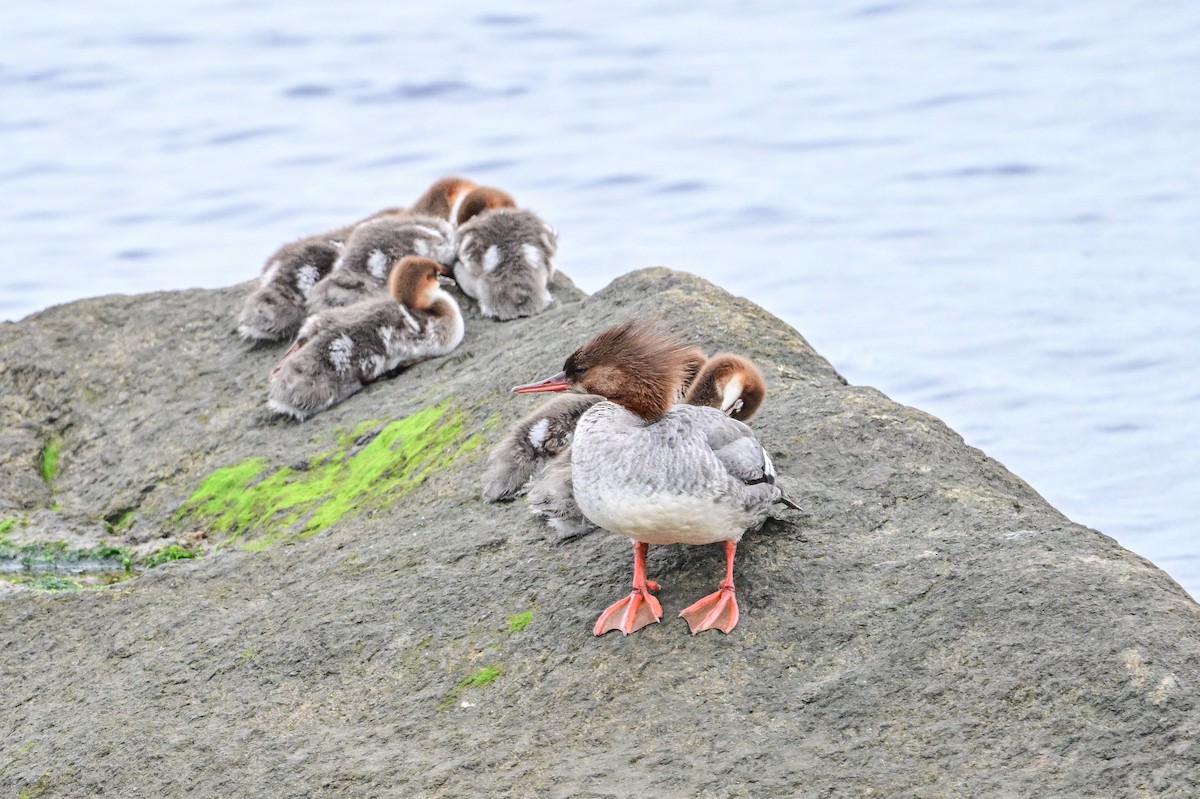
{"type": "Point", "coordinates": [631, 613]}
{"type": "Point", "coordinates": [718, 610]}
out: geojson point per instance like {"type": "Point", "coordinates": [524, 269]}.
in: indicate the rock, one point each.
{"type": "Point", "coordinates": [362, 624]}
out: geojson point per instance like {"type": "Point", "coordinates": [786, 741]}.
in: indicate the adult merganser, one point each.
{"type": "Point", "coordinates": [536, 439]}
{"type": "Point", "coordinates": [660, 473]}
{"type": "Point", "coordinates": [551, 494]}
{"type": "Point", "coordinates": [505, 255]}
{"type": "Point", "coordinates": [339, 351]}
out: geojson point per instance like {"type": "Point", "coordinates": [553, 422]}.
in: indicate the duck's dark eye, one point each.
{"type": "Point", "coordinates": [578, 369]}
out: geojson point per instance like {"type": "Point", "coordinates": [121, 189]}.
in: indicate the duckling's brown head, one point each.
{"type": "Point", "coordinates": [443, 198]}
{"type": "Point", "coordinates": [416, 281]}
{"type": "Point", "coordinates": [483, 198]}
{"type": "Point", "coordinates": [731, 383]}
{"type": "Point", "coordinates": [632, 364]}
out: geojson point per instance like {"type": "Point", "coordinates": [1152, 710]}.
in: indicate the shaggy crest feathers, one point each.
{"type": "Point", "coordinates": [634, 365]}
{"type": "Point", "coordinates": [483, 198]}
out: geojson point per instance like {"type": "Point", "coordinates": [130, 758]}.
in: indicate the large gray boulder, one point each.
{"type": "Point", "coordinates": [362, 624]}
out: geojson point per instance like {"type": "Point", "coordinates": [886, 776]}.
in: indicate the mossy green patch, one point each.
{"type": "Point", "coordinates": [166, 555]}
{"type": "Point", "coordinates": [55, 582]}
{"type": "Point", "coordinates": [6, 525]}
{"type": "Point", "coordinates": [364, 471]}
{"type": "Point", "coordinates": [51, 452]}
{"type": "Point", "coordinates": [520, 621]}
{"type": "Point", "coordinates": [481, 677]}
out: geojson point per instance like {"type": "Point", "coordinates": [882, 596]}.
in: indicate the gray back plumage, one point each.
{"type": "Point", "coordinates": [691, 451]}
{"type": "Point", "coordinates": [505, 261]}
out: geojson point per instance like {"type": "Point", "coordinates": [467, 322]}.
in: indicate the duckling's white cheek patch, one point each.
{"type": "Point", "coordinates": [491, 258]}
{"type": "Point", "coordinates": [341, 350]}
{"type": "Point", "coordinates": [538, 433]}
{"type": "Point", "coordinates": [306, 278]}
{"type": "Point", "coordinates": [377, 265]}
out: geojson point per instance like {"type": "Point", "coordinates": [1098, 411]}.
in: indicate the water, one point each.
{"type": "Point", "coordinates": [989, 211]}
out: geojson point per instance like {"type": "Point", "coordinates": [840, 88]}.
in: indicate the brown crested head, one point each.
{"type": "Point", "coordinates": [443, 197]}
{"type": "Point", "coordinates": [415, 280]}
{"type": "Point", "coordinates": [731, 383]}
{"type": "Point", "coordinates": [632, 364]}
{"type": "Point", "coordinates": [483, 198]}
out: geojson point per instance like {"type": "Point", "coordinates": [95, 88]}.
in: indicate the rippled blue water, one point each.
{"type": "Point", "coordinates": [987, 210]}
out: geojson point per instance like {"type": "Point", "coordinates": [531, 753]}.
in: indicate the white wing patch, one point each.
{"type": "Point", "coordinates": [429, 231]}
{"type": "Point", "coordinates": [538, 433]}
{"type": "Point", "coordinates": [306, 278]}
{"type": "Point", "coordinates": [408, 320]}
{"type": "Point", "coordinates": [377, 265]}
{"type": "Point", "coordinates": [491, 258]}
{"type": "Point", "coordinates": [533, 255]}
{"type": "Point", "coordinates": [341, 350]}
{"type": "Point", "coordinates": [385, 335]}
{"type": "Point", "coordinates": [421, 247]}
{"type": "Point", "coordinates": [271, 271]}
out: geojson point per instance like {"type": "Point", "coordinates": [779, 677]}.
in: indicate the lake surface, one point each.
{"type": "Point", "coordinates": [988, 211]}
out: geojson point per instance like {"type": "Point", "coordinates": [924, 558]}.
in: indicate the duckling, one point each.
{"type": "Point", "coordinates": [379, 241]}
{"type": "Point", "coordinates": [660, 473]}
{"type": "Point", "coordinates": [343, 349]}
{"type": "Point", "coordinates": [551, 494]}
{"type": "Point", "coordinates": [275, 309]}
{"type": "Point", "coordinates": [504, 255]}
{"type": "Point", "coordinates": [443, 198]}
{"type": "Point", "coordinates": [730, 383]}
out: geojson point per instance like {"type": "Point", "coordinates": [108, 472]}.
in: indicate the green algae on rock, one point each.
{"type": "Point", "coordinates": [291, 501]}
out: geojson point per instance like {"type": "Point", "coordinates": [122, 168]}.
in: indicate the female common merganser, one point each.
{"type": "Point", "coordinates": [660, 473]}
{"type": "Point", "coordinates": [504, 255]}
{"type": "Point", "coordinates": [541, 436]}
{"type": "Point", "coordinates": [551, 494]}
{"type": "Point", "coordinates": [341, 350]}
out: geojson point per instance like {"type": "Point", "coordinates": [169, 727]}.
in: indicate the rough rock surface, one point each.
{"type": "Point", "coordinates": [929, 626]}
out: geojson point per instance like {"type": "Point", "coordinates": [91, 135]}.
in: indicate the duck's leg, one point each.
{"type": "Point", "coordinates": [719, 609]}
{"type": "Point", "coordinates": [639, 608]}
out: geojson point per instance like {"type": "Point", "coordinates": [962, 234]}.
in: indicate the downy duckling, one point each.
{"type": "Point", "coordinates": [443, 198]}
{"type": "Point", "coordinates": [660, 473]}
{"type": "Point", "coordinates": [729, 383]}
{"type": "Point", "coordinates": [377, 243]}
{"type": "Point", "coordinates": [275, 310]}
{"type": "Point", "coordinates": [343, 349]}
{"type": "Point", "coordinates": [505, 255]}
